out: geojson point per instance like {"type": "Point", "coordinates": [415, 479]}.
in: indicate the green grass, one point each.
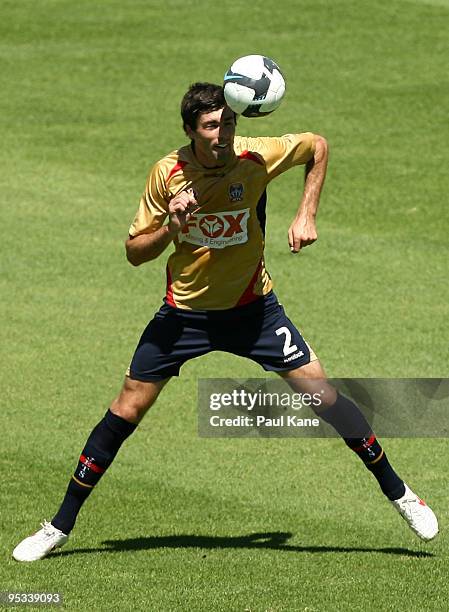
{"type": "Point", "coordinates": [90, 97]}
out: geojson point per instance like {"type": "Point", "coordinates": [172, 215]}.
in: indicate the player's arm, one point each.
{"type": "Point", "coordinates": [302, 231]}
{"type": "Point", "coordinates": [146, 247]}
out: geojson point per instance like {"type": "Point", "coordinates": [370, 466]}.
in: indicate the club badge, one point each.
{"type": "Point", "coordinates": [236, 192]}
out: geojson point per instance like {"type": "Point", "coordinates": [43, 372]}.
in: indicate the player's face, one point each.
{"type": "Point", "coordinates": [214, 137]}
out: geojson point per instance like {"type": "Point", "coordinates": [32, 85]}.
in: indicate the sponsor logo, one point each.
{"type": "Point", "coordinates": [212, 226]}
{"type": "Point", "coordinates": [295, 356]}
{"type": "Point", "coordinates": [218, 230]}
{"type": "Point", "coordinates": [236, 192]}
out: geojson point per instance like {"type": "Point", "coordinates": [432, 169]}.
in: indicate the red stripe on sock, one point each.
{"type": "Point", "coordinates": [88, 463]}
{"type": "Point", "coordinates": [370, 441]}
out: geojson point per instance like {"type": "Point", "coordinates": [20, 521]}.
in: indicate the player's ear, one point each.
{"type": "Point", "coordinates": [189, 132]}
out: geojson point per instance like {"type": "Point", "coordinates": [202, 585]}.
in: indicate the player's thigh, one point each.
{"type": "Point", "coordinates": [264, 334]}
{"type": "Point", "coordinates": [311, 378]}
{"type": "Point", "coordinates": [170, 339]}
{"type": "Point", "coordinates": [136, 397]}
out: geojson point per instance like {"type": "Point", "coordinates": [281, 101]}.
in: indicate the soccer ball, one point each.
{"type": "Point", "coordinates": [254, 86]}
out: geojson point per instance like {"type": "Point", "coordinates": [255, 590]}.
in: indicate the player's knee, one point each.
{"type": "Point", "coordinates": [311, 380]}
{"type": "Point", "coordinates": [328, 397]}
{"type": "Point", "coordinates": [136, 398]}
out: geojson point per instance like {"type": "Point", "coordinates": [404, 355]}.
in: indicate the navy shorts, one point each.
{"type": "Point", "coordinates": [260, 331]}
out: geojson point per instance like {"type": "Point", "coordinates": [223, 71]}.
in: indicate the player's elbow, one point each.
{"type": "Point", "coordinates": [321, 148]}
{"type": "Point", "coordinates": [132, 254]}
{"type": "Point", "coordinates": [133, 261]}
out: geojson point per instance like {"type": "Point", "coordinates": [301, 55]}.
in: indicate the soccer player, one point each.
{"type": "Point", "coordinates": [208, 198]}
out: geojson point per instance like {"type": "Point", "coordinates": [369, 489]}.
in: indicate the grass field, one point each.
{"type": "Point", "coordinates": [89, 100]}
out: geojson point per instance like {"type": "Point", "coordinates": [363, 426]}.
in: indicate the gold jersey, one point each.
{"type": "Point", "coordinates": [218, 260]}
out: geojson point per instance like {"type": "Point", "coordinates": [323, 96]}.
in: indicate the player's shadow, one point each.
{"type": "Point", "coordinates": [271, 540]}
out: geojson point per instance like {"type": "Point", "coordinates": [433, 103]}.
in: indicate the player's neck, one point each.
{"type": "Point", "coordinates": [209, 164]}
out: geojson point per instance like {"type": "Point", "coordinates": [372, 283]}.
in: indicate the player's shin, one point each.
{"type": "Point", "coordinates": [97, 455]}
{"type": "Point", "coordinates": [347, 419]}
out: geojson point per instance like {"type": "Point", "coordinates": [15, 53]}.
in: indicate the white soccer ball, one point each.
{"type": "Point", "coordinates": [254, 86]}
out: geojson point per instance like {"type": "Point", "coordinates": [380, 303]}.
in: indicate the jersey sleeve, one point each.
{"type": "Point", "coordinates": [153, 207]}
{"type": "Point", "coordinates": [284, 152]}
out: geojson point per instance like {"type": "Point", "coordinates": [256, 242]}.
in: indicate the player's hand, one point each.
{"type": "Point", "coordinates": [301, 233]}
{"type": "Point", "coordinates": [180, 210]}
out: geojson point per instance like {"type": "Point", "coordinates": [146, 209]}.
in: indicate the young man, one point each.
{"type": "Point", "coordinates": [209, 199]}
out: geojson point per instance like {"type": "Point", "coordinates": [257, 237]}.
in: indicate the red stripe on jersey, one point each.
{"type": "Point", "coordinates": [169, 293]}
{"type": "Point", "coordinates": [252, 156]}
{"type": "Point", "coordinates": [88, 463]}
{"type": "Point", "coordinates": [176, 168]}
{"type": "Point", "coordinates": [249, 295]}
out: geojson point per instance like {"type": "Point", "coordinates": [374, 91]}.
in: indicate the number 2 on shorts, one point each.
{"type": "Point", "coordinates": [289, 348]}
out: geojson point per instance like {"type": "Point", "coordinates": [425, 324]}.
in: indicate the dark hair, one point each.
{"type": "Point", "coordinates": [201, 98]}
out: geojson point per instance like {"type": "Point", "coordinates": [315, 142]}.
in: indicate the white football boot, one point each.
{"type": "Point", "coordinates": [418, 515]}
{"type": "Point", "coordinates": [40, 544]}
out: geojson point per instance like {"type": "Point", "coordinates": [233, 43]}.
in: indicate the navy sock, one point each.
{"type": "Point", "coordinates": [99, 452]}
{"type": "Point", "coordinates": [347, 419]}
